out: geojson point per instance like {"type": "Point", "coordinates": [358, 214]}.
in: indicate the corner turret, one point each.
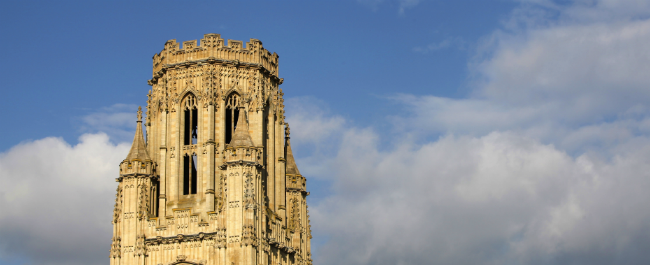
{"type": "Point", "coordinates": [135, 202]}
{"type": "Point", "coordinates": [241, 148]}
{"type": "Point", "coordinates": [138, 161]}
{"type": "Point", "coordinates": [241, 137]}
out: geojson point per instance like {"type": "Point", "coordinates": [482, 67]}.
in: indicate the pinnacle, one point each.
{"type": "Point", "coordinates": [241, 136]}
{"type": "Point", "coordinates": [138, 149]}
{"type": "Point", "coordinates": [292, 168]}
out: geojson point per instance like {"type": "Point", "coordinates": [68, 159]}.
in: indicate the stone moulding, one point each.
{"type": "Point", "coordinates": [180, 238]}
{"type": "Point", "coordinates": [212, 60]}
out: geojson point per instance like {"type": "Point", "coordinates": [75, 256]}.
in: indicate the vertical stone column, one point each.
{"type": "Point", "coordinates": [221, 140]}
{"type": "Point", "coordinates": [177, 164]}
{"type": "Point", "coordinates": [280, 189]}
{"type": "Point", "coordinates": [272, 160]}
{"type": "Point", "coordinates": [209, 192]}
{"type": "Point", "coordinates": [162, 205]}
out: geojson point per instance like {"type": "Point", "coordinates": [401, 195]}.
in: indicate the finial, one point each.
{"type": "Point", "coordinates": [139, 113]}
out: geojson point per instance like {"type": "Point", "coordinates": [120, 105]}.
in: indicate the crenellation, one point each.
{"type": "Point", "coordinates": [235, 45]}
{"type": "Point", "coordinates": [189, 46]}
{"type": "Point", "coordinates": [213, 50]}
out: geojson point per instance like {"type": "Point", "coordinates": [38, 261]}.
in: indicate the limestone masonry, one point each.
{"type": "Point", "coordinates": [215, 182]}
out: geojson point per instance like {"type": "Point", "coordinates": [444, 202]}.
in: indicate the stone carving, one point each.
{"type": "Point", "coordinates": [220, 199]}
{"type": "Point", "coordinates": [116, 248]}
{"type": "Point", "coordinates": [144, 201]}
{"type": "Point", "coordinates": [118, 209]}
{"type": "Point", "coordinates": [294, 222]}
{"type": "Point", "coordinates": [249, 192]}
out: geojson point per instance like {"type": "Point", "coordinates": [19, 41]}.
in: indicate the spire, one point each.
{"type": "Point", "coordinates": [241, 136]}
{"type": "Point", "coordinates": [292, 168]}
{"type": "Point", "coordinates": [138, 149]}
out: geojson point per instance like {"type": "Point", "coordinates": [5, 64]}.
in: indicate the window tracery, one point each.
{"type": "Point", "coordinates": [233, 103]}
{"type": "Point", "coordinates": [190, 120]}
{"type": "Point", "coordinates": [189, 174]}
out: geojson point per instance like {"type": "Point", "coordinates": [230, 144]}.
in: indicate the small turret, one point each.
{"type": "Point", "coordinates": [295, 181]}
{"type": "Point", "coordinates": [138, 160]}
{"type": "Point", "coordinates": [135, 202]}
{"type": "Point", "coordinates": [241, 148]}
{"type": "Point", "coordinates": [292, 168]}
{"type": "Point", "coordinates": [241, 137]}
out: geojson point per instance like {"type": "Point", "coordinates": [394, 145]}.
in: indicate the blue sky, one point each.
{"type": "Point", "coordinates": [76, 57]}
{"type": "Point", "coordinates": [431, 132]}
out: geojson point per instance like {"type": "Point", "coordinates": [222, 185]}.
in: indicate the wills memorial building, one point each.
{"type": "Point", "coordinates": [215, 181]}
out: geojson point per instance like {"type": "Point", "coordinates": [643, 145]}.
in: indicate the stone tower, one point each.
{"type": "Point", "coordinates": [215, 182]}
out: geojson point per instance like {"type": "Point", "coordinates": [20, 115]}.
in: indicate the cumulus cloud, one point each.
{"type": "Point", "coordinates": [57, 200]}
{"type": "Point", "coordinates": [316, 123]}
{"type": "Point", "coordinates": [552, 70]}
{"type": "Point", "coordinates": [313, 128]}
{"type": "Point", "coordinates": [116, 121]}
{"type": "Point", "coordinates": [497, 199]}
{"type": "Point", "coordinates": [604, 69]}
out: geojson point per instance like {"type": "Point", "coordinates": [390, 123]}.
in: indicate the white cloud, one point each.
{"type": "Point", "coordinates": [313, 129]}
{"type": "Point", "coordinates": [603, 68]}
{"type": "Point", "coordinates": [553, 75]}
{"type": "Point", "coordinates": [117, 121]}
{"type": "Point", "coordinates": [56, 200]}
{"type": "Point", "coordinates": [497, 199]}
{"type": "Point", "coordinates": [315, 123]}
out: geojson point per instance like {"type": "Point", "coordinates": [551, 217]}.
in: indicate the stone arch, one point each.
{"type": "Point", "coordinates": [187, 91]}
{"type": "Point", "coordinates": [188, 95]}
{"type": "Point", "coordinates": [234, 103]}
{"type": "Point", "coordinates": [232, 90]}
{"type": "Point", "coordinates": [190, 173]}
{"type": "Point", "coordinates": [190, 118]}
{"type": "Point", "coordinates": [182, 260]}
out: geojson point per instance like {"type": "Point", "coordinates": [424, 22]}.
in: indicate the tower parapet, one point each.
{"type": "Point", "coordinates": [214, 49]}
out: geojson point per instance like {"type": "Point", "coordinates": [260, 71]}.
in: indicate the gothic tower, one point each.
{"type": "Point", "coordinates": [215, 182]}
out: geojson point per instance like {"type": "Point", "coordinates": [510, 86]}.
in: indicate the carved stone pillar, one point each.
{"type": "Point", "coordinates": [162, 200]}
{"type": "Point", "coordinates": [209, 191]}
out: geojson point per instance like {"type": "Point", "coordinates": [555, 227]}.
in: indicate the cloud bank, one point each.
{"type": "Point", "coordinates": [57, 200]}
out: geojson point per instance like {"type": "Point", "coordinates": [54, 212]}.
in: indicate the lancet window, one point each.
{"type": "Point", "coordinates": [189, 174]}
{"type": "Point", "coordinates": [233, 103]}
{"type": "Point", "coordinates": [190, 120]}
{"type": "Point", "coordinates": [190, 136]}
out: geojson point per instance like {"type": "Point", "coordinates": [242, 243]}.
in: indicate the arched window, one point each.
{"type": "Point", "coordinates": [232, 113]}
{"type": "Point", "coordinates": [190, 135]}
{"type": "Point", "coordinates": [190, 120]}
{"type": "Point", "coordinates": [189, 174]}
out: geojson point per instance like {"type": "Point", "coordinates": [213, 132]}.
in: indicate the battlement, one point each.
{"type": "Point", "coordinates": [213, 49]}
